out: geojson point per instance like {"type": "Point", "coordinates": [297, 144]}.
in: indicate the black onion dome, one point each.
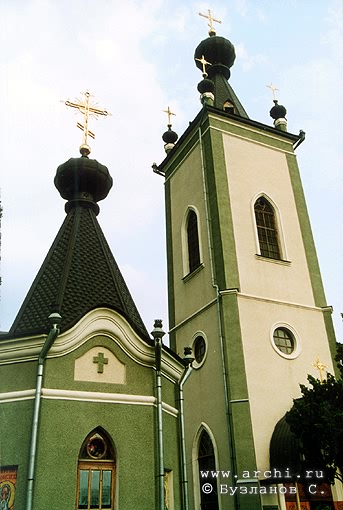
{"type": "Point", "coordinates": [169, 136]}
{"type": "Point", "coordinates": [205, 85]}
{"type": "Point", "coordinates": [219, 52]}
{"type": "Point", "coordinates": [83, 181]}
{"type": "Point", "coordinates": [278, 111]}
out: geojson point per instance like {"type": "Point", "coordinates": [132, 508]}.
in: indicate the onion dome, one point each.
{"type": "Point", "coordinates": [278, 113]}
{"type": "Point", "coordinates": [220, 52]}
{"type": "Point", "coordinates": [206, 86]}
{"type": "Point", "coordinates": [215, 56]}
{"type": "Point", "coordinates": [83, 182]}
{"type": "Point", "coordinates": [170, 136]}
{"type": "Point", "coordinates": [170, 139]}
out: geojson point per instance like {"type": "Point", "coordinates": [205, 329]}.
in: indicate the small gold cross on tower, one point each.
{"type": "Point", "coordinates": [204, 63]}
{"type": "Point", "coordinates": [211, 19]}
{"type": "Point", "coordinates": [169, 113]}
{"type": "Point", "coordinates": [320, 367]}
{"type": "Point", "coordinates": [86, 109]}
{"type": "Point", "coordinates": [273, 89]}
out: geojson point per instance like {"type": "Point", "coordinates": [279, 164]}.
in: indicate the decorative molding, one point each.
{"type": "Point", "coordinates": [98, 322]}
{"type": "Point", "coordinates": [88, 396]}
{"type": "Point", "coordinates": [17, 396]}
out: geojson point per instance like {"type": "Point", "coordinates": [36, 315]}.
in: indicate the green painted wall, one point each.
{"type": "Point", "coordinates": [65, 423]}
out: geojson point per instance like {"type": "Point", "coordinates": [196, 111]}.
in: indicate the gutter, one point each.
{"type": "Point", "coordinates": [54, 320]}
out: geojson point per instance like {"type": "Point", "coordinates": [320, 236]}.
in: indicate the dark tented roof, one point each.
{"type": "Point", "coordinates": [79, 272]}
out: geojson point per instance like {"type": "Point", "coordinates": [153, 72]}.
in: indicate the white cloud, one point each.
{"type": "Point", "coordinates": [246, 60]}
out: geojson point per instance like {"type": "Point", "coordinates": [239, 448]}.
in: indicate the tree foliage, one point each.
{"type": "Point", "coordinates": [317, 420]}
{"type": "Point", "coordinates": [339, 357]}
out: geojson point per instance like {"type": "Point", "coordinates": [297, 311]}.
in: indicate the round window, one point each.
{"type": "Point", "coordinates": [96, 447]}
{"type": "Point", "coordinates": [199, 349]}
{"type": "Point", "coordinates": [284, 340]}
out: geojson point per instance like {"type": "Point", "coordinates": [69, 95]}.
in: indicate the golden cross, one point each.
{"type": "Point", "coordinates": [204, 63]}
{"type": "Point", "coordinates": [211, 19]}
{"type": "Point", "coordinates": [86, 109]}
{"type": "Point", "coordinates": [273, 89]}
{"type": "Point", "coordinates": [321, 367]}
{"type": "Point", "coordinates": [169, 113]}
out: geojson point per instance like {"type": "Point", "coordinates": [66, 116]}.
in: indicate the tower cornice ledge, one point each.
{"type": "Point", "coordinates": [208, 111]}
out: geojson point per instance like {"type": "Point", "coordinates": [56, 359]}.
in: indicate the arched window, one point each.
{"type": "Point", "coordinates": [96, 473]}
{"type": "Point", "coordinates": [193, 241]}
{"type": "Point", "coordinates": [267, 229]}
{"type": "Point", "coordinates": [207, 463]}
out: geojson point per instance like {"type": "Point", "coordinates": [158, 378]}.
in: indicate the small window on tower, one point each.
{"type": "Point", "coordinates": [284, 340]}
{"type": "Point", "coordinates": [267, 229]}
{"type": "Point", "coordinates": [229, 107]}
{"type": "Point", "coordinates": [199, 349]}
{"type": "Point", "coordinates": [193, 241]}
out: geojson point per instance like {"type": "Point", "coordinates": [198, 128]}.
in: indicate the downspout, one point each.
{"type": "Point", "coordinates": [300, 140]}
{"type": "Point", "coordinates": [188, 359]}
{"type": "Point", "coordinates": [157, 335]}
{"type": "Point", "coordinates": [54, 320]}
{"type": "Point", "coordinates": [220, 326]}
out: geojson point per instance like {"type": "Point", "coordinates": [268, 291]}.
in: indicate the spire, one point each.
{"type": "Point", "coordinates": [278, 112]}
{"type": "Point", "coordinates": [79, 272]}
{"type": "Point", "coordinates": [215, 56]}
{"type": "Point", "coordinates": [169, 137]}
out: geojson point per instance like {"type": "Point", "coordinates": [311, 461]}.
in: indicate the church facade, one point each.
{"type": "Point", "coordinates": [96, 412]}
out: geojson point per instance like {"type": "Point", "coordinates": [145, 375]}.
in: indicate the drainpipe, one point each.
{"type": "Point", "coordinates": [157, 334]}
{"type": "Point", "coordinates": [54, 320]}
{"type": "Point", "coordinates": [188, 360]}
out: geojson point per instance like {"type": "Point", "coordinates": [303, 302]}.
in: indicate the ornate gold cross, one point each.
{"type": "Point", "coordinates": [169, 113]}
{"type": "Point", "coordinates": [320, 367]}
{"type": "Point", "coordinates": [204, 63]}
{"type": "Point", "coordinates": [211, 19]}
{"type": "Point", "coordinates": [273, 89]}
{"type": "Point", "coordinates": [86, 109]}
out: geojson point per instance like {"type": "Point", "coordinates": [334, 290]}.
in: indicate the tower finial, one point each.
{"type": "Point", "coordinates": [169, 137]}
{"type": "Point", "coordinates": [211, 19]}
{"type": "Point", "coordinates": [86, 109]}
{"type": "Point", "coordinates": [278, 112]}
{"type": "Point", "coordinates": [273, 89]}
{"type": "Point", "coordinates": [169, 113]}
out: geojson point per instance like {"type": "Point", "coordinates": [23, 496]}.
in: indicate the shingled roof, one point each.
{"type": "Point", "coordinates": [79, 272]}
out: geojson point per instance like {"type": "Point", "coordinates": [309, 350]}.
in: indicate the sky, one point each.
{"type": "Point", "coordinates": [136, 59]}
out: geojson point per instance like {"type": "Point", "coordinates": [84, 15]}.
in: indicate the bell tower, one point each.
{"type": "Point", "coordinates": [244, 286]}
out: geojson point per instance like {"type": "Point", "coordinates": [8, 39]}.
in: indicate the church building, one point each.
{"type": "Point", "coordinates": [98, 413]}
{"type": "Point", "coordinates": [245, 289]}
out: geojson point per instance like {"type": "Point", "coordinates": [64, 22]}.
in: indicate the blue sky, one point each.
{"type": "Point", "coordinates": [136, 57]}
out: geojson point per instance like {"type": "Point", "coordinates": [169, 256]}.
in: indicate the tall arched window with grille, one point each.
{"type": "Point", "coordinates": [267, 229]}
{"type": "Point", "coordinates": [193, 241]}
{"type": "Point", "coordinates": [207, 464]}
{"type": "Point", "coordinates": [96, 473]}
